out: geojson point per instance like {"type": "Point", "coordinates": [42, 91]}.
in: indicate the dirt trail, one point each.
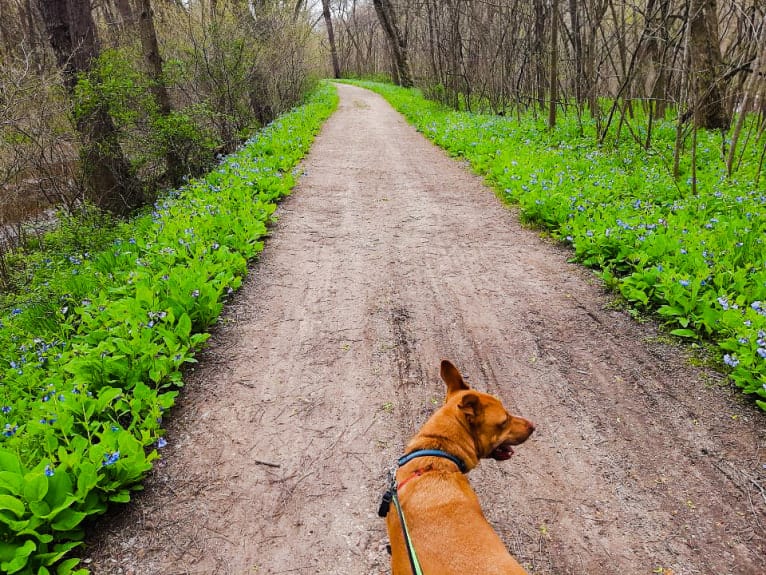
{"type": "Point", "coordinates": [388, 257]}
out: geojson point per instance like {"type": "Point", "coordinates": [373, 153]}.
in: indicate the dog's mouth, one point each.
{"type": "Point", "coordinates": [502, 452]}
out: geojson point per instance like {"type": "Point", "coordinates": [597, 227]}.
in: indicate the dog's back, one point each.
{"type": "Point", "coordinates": [446, 531]}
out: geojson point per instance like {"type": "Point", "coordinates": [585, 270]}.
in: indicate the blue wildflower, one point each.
{"type": "Point", "coordinates": [10, 429]}
{"type": "Point", "coordinates": [110, 459]}
{"type": "Point", "coordinates": [730, 360]}
{"type": "Point", "coordinates": [6, 409]}
{"type": "Point", "coordinates": [684, 283]}
{"type": "Point", "coordinates": [762, 352]}
{"type": "Point", "coordinates": [161, 442]}
{"type": "Point", "coordinates": [49, 471]}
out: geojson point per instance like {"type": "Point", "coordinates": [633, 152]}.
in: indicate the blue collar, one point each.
{"type": "Point", "coordinates": [433, 453]}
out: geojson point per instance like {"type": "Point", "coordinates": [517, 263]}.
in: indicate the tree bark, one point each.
{"type": "Point", "coordinates": [707, 94]}
{"type": "Point", "coordinates": [574, 15]}
{"type": "Point", "coordinates": [538, 51]}
{"type": "Point", "coordinates": [554, 78]}
{"type": "Point", "coordinates": [153, 59]}
{"type": "Point", "coordinates": [755, 89]}
{"type": "Point", "coordinates": [387, 17]}
{"type": "Point", "coordinates": [126, 12]}
{"type": "Point", "coordinates": [331, 38]}
{"type": "Point", "coordinates": [72, 33]}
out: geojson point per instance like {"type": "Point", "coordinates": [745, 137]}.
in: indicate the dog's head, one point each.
{"type": "Point", "coordinates": [493, 429]}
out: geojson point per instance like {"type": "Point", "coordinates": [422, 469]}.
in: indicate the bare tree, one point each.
{"type": "Point", "coordinates": [331, 37]}
{"type": "Point", "coordinates": [708, 106]}
{"type": "Point", "coordinates": [72, 34]}
{"type": "Point", "coordinates": [153, 60]}
{"type": "Point", "coordinates": [554, 77]}
{"type": "Point", "coordinates": [387, 16]}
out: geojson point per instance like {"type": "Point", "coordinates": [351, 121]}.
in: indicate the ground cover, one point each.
{"type": "Point", "coordinates": [91, 354]}
{"type": "Point", "coordinates": [694, 256]}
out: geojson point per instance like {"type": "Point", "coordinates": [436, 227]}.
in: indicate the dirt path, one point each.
{"type": "Point", "coordinates": [388, 257]}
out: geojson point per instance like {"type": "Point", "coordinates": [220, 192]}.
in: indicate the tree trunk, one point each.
{"type": "Point", "coordinates": [706, 62]}
{"type": "Point", "coordinates": [72, 34]}
{"type": "Point", "coordinates": [153, 60]}
{"type": "Point", "coordinates": [331, 37]}
{"type": "Point", "coordinates": [538, 51]}
{"type": "Point", "coordinates": [755, 89]}
{"type": "Point", "coordinates": [126, 12]}
{"type": "Point", "coordinates": [574, 15]}
{"type": "Point", "coordinates": [387, 17]}
{"type": "Point", "coordinates": [554, 78]}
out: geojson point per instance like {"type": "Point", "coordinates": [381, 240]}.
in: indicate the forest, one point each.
{"type": "Point", "coordinates": [109, 101]}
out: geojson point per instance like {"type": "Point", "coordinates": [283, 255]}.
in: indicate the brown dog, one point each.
{"type": "Point", "coordinates": [446, 527]}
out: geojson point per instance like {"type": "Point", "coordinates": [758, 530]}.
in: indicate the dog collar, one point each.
{"type": "Point", "coordinates": [433, 453]}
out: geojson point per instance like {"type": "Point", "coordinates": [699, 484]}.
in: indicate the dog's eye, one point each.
{"type": "Point", "coordinates": [504, 422]}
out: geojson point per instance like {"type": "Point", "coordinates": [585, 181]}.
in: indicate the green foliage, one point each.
{"type": "Point", "coordinates": [118, 84]}
{"type": "Point", "coordinates": [699, 261]}
{"type": "Point", "coordinates": [90, 365]}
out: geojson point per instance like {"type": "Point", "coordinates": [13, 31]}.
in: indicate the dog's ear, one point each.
{"type": "Point", "coordinates": [452, 378]}
{"type": "Point", "coordinates": [470, 405]}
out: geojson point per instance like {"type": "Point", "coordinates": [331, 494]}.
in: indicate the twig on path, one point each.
{"type": "Point", "coordinates": [266, 463]}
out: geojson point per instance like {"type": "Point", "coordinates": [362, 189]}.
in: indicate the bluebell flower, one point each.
{"type": "Point", "coordinates": [684, 283]}
{"type": "Point", "coordinates": [49, 470]}
{"type": "Point", "coordinates": [724, 302]}
{"type": "Point", "coordinates": [762, 352]}
{"type": "Point", "coordinates": [161, 442]}
{"type": "Point", "coordinates": [6, 409]}
{"type": "Point", "coordinates": [683, 252]}
{"type": "Point", "coordinates": [730, 360]}
{"type": "Point", "coordinates": [195, 293]}
{"type": "Point", "coordinates": [10, 429]}
{"type": "Point", "coordinates": [110, 459]}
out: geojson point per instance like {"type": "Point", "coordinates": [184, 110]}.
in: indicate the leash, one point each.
{"type": "Point", "coordinates": [392, 496]}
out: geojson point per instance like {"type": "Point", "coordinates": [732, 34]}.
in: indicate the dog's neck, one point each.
{"type": "Point", "coordinates": [449, 434]}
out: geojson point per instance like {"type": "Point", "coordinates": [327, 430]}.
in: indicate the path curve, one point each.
{"type": "Point", "coordinates": [388, 257]}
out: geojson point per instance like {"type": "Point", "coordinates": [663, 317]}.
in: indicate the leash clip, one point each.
{"type": "Point", "coordinates": [388, 496]}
